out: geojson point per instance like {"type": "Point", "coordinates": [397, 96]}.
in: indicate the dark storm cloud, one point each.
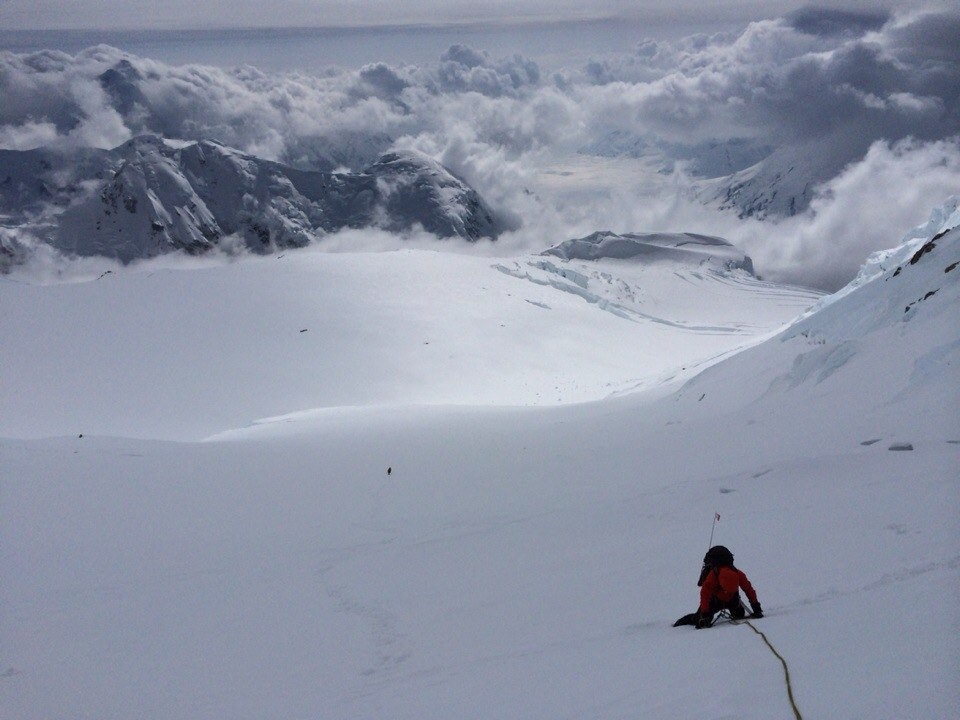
{"type": "Point", "coordinates": [926, 38]}
{"type": "Point", "coordinates": [813, 103]}
{"type": "Point", "coordinates": [383, 80]}
{"type": "Point", "coordinates": [832, 23]}
{"type": "Point", "coordinates": [795, 80]}
{"type": "Point", "coordinates": [463, 69]}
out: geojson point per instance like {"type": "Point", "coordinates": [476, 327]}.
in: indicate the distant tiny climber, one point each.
{"type": "Point", "coordinates": [720, 584]}
{"type": "Point", "coordinates": [389, 470]}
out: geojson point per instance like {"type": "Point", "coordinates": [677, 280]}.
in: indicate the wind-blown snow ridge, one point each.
{"type": "Point", "coordinates": [891, 331]}
{"type": "Point", "coordinates": [942, 219]}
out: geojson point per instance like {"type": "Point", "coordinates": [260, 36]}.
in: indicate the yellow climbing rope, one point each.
{"type": "Point", "coordinates": [786, 670]}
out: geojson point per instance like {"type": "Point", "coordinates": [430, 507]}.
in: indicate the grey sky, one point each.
{"type": "Point", "coordinates": [117, 14]}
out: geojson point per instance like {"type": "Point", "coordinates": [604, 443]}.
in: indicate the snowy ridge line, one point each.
{"type": "Point", "coordinates": [915, 281]}
{"type": "Point", "coordinates": [942, 220]}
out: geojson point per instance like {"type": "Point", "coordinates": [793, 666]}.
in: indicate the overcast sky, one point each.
{"type": "Point", "coordinates": [117, 14]}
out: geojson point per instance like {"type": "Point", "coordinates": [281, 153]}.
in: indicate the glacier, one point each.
{"type": "Point", "coordinates": [199, 520]}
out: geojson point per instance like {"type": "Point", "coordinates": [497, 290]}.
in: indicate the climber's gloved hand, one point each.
{"type": "Point", "coordinates": [757, 610]}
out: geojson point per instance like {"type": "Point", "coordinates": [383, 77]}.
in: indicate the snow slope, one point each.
{"type": "Point", "coordinates": [515, 562]}
{"type": "Point", "coordinates": [779, 185]}
{"type": "Point", "coordinates": [195, 351]}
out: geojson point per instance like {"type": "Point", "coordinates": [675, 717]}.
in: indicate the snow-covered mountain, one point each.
{"type": "Point", "coordinates": [888, 339]}
{"type": "Point", "coordinates": [779, 185]}
{"type": "Point", "coordinates": [754, 182]}
{"type": "Point", "coordinates": [383, 547]}
{"type": "Point", "coordinates": [148, 197]}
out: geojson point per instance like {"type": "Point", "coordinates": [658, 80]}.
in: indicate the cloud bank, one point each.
{"type": "Point", "coordinates": [859, 110]}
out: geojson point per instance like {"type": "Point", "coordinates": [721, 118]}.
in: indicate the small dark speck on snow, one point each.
{"type": "Point", "coordinates": [304, 330]}
{"type": "Point", "coordinates": [951, 267]}
{"type": "Point", "coordinates": [870, 442]}
{"type": "Point", "coordinates": [901, 447]}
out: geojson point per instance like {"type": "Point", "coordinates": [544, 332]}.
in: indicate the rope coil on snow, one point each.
{"type": "Point", "coordinates": [786, 670]}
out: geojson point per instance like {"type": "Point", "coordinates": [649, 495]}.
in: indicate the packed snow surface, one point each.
{"type": "Point", "coordinates": [411, 560]}
{"type": "Point", "coordinates": [177, 352]}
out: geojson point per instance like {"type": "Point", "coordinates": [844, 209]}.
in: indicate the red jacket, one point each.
{"type": "Point", "coordinates": [723, 584]}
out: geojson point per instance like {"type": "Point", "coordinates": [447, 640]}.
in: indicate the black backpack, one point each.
{"type": "Point", "coordinates": [717, 557]}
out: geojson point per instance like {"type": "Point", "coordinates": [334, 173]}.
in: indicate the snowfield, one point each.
{"type": "Point", "coordinates": [349, 522]}
{"type": "Point", "coordinates": [185, 353]}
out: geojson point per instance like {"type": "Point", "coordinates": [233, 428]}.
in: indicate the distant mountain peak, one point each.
{"type": "Point", "coordinates": [150, 195]}
{"type": "Point", "coordinates": [415, 182]}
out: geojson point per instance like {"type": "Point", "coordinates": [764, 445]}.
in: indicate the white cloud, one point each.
{"type": "Point", "coordinates": [848, 87]}
{"type": "Point", "coordinates": [100, 125]}
{"type": "Point", "coordinates": [867, 207]}
{"type": "Point", "coordinates": [30, 134]}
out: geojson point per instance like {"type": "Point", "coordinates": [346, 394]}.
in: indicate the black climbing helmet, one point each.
{"type": "Point", "coordinates": [718, 556]}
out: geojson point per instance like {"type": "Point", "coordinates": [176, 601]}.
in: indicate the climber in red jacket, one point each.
{"type": "Point", "coordinates": [720, 584]}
